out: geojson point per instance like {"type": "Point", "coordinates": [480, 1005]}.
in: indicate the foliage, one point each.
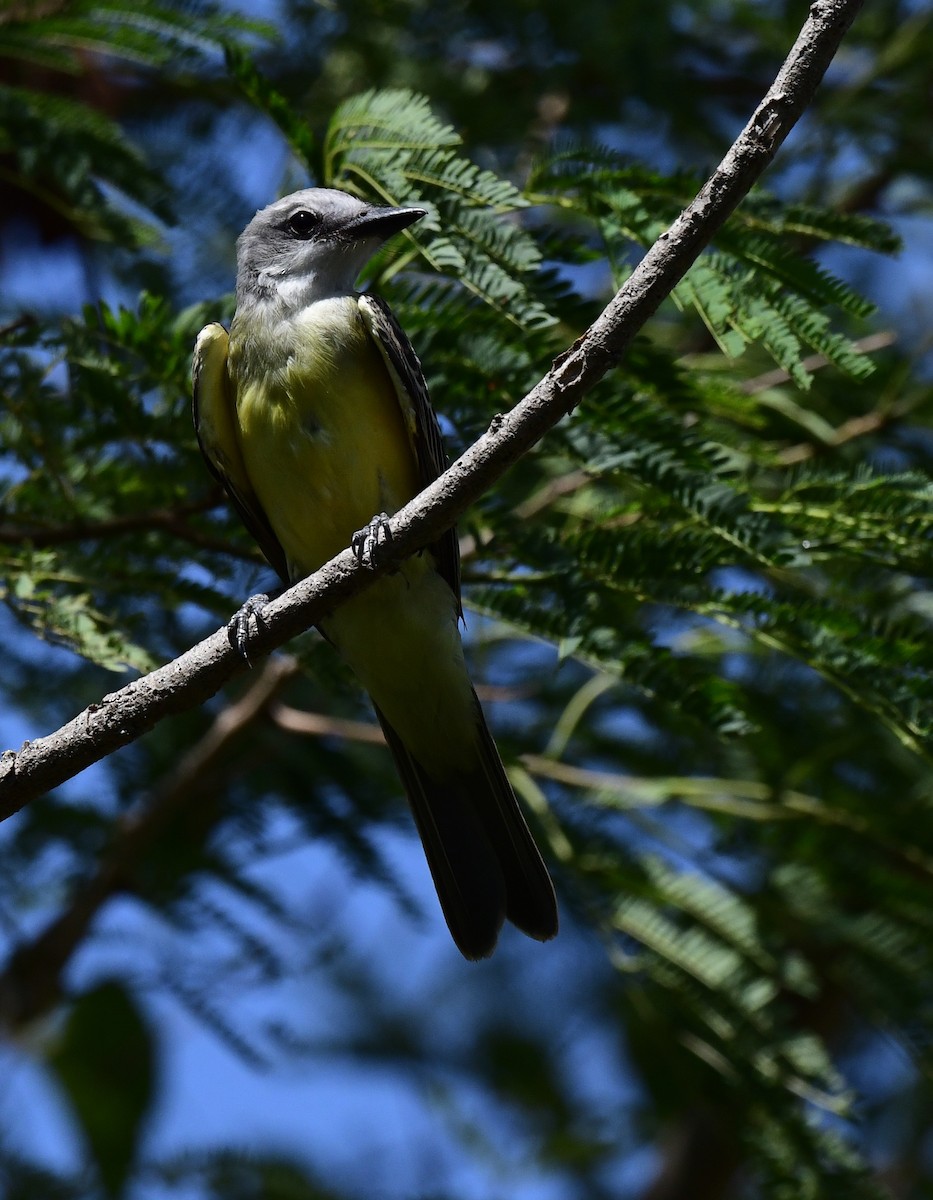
{"type": "Point", "coordinates": [707, 595]}
{"type": "Point", "coordinates": [66, 155]}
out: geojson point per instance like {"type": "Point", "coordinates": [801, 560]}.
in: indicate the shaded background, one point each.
{"type": "Point", "coordinates": [702, 609]}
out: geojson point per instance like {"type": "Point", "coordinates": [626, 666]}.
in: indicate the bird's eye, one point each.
{"type": "Point", "coordinates": [303, 223]}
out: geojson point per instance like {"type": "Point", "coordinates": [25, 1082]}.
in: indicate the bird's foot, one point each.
{"type": "Point", "coordinates": [368, 542]}
{"type": "Point", "coordinates": [239, 627]}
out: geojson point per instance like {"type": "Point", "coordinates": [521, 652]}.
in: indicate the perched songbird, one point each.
{"type": "Point", "coordinates": [315, 416]}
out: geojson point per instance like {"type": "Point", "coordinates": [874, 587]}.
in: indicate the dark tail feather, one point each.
{"type": "Point", "coordinates": [483, 859]}
{"type": "Point", "coordinates": [531, 904]}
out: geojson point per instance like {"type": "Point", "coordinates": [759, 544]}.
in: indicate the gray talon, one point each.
{"type": "Point", "coordinates": [238, 627]}
{"type": "Point", "coordinates": [367, 542]}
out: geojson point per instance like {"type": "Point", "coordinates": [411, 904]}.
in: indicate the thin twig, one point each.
{"type": "Point", "coordinates": [18, 324]}
{"type": "Point", "coordinates": [848, 431]}
{"type": "Point", "coordinates": [312, 724]}
{"type": "Point", "coordinates": [164, 520]}
{"type": "Point", "coordinates": [315, 724]}
{"type": "Point", "coordinates": [817, 362]}
{"type": "Point", "coordinates": [124, 715]}
{"type": "Point", "coordinates": [79, 531]}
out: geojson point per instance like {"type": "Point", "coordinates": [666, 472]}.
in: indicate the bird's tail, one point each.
{"type": "Point", "coordinates": [484, 861]}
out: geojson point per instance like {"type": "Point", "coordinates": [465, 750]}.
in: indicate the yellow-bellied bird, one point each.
{"type": "Point", "coordinates": [315, 416]}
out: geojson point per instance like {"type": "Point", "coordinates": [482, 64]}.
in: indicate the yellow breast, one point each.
{"type": "Point", "coordinates": [321, 429]}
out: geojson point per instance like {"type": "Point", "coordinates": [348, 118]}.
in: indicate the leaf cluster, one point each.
{"type": "Point", "coordinates": [64, 153]}
{"type": "Point", "coordinates": [707, 593]}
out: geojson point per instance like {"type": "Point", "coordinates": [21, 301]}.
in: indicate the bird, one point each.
{"type": "Point", "coordinates": [314, 414]}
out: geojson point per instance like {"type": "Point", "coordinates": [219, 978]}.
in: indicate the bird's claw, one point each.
{"type": "Point", "coordinates": [239, 625]}
{"type": "Point", "coordinates": [367, 542]}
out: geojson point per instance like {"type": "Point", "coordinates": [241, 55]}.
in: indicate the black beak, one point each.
{"type": "Point", "coordinates": [381, 222]}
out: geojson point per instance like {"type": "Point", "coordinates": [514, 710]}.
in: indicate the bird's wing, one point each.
{"type": "Point", "coordinates": [213, 410]}
{"type": "Point", "coordinates": [420, 419]}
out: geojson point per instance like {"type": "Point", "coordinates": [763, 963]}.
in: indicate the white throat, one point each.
{"type": "Point", "coordinates": [297, 292]}
{"type": "Point", "coordinates": [320, 277]}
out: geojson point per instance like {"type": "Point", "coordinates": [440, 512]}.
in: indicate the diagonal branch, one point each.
{"type": "Point", "coordinates": [31, 981]}
{"type": "Point", "coordinates": [124, 715]}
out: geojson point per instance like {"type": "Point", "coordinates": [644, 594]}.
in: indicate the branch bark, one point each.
{"type": "Point", "coordinates": [122, 716]}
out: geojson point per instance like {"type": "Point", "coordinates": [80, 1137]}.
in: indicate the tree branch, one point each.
{"type": "Point", "coordinates": [31, 981]}
{"type": "Point", "coordinates": [817, 362]}
{"type": "Point", "coordinates": [164, 520]}
{"type": "Point", "coordinates": [121, 717]}
{"type": "Point", "coordinates": [79, 531]}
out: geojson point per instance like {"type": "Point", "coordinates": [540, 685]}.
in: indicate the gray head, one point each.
{"type": "Point", "coordinates": [312, 244]}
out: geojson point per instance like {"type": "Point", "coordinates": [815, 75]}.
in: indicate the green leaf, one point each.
{"type": "Point", "coordinates": [105, 1063]}
{"type": "Point", "coordinates": [390, 147]}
